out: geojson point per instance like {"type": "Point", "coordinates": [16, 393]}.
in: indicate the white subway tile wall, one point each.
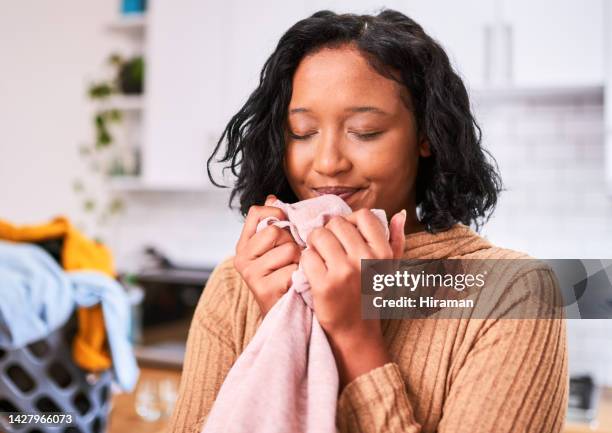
{"type": "Point", "coordinates": [550, 154]}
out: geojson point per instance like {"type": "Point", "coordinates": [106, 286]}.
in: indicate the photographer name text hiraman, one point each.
{"type": "Point", "coordinates": [422, 302]}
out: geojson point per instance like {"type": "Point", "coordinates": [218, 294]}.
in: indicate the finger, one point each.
{"type": "Point", "coordinates": [313, 266]}
{"type": "Point", "coordinates": [265, 240]}
{"type": "Point", "coordinates": [397, 227]}
{"type": "Point", "coordinates": [371, 229]}
{"type": "Point", "coordinates": [255, 215]}
{"type": "Point", "coordinates": [282, 275]}
{"type": "Point", "coordinates": [349, 236]}
{"type": "Point", "coordinates": [277, 258]}
{"type": "Point", "coordinates": [326, 245]}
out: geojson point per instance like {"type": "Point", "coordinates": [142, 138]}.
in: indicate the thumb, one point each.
{"type": "Point", "coordinates": [271, 198]}
{"type": "Point", "coordinates": [396, 233]}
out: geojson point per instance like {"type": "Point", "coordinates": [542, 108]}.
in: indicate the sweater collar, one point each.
{"type": "Point", "coordinates": [457, 241]}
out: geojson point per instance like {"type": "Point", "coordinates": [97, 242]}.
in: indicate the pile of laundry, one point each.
{"type": "Point", "coordinates": [49, 271]}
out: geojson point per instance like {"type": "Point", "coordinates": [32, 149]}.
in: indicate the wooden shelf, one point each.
{"type": "Point", "coordinates": [124, 103]}
{"type": "Point", "coordinates": [129, 23]}
{"type": "Point", "coordinates": [135, 184]}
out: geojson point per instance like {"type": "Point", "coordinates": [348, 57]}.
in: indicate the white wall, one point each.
{"type": "Point", "coordinates": [608, 95]}
{"type": "Point", "coordinates": [49, 52]}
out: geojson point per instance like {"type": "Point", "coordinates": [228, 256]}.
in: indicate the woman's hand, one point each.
{"type": "Point", "coordinates": [266, 259]}
{"type": "Point", "coordinates": [333, 267]}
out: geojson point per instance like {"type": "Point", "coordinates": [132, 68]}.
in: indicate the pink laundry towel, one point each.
{"type": "Point", "coordinates": [286, 379]}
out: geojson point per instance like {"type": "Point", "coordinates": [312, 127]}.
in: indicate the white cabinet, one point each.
{"type": "Point", "coordinates": [557, 42]}
{"type": "Point", "coordinates": [186, 89]}
{"type": "Point", "coordinates": [459, 27]}
{"type": "Point", "coordinates": [204, 59]}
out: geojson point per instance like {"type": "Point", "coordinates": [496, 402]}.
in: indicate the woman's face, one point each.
{"type": "Point", "coordinates": [350, 133]}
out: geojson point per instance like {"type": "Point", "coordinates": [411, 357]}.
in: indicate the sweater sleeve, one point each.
{"type": "Point", "coordinates": [514, 379]}
{"type": "Point", "coordinates": [210, 352]}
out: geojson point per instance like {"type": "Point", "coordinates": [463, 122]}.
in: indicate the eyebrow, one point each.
{"type": "Point", "coordinates": [364, 109]}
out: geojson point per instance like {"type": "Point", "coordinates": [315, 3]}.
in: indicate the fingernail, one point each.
{"type": "Point", "coordinates": [404, 215]}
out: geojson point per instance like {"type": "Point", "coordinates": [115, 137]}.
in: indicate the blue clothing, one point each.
{"type": "Point", "coordinates": [37, 297]}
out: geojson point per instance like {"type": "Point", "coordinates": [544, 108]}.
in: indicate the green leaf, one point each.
{"type": "Point", "coordinates": [114, 115]}
{"type": "Point", "coordinates": [100, 90]}
{"type": "Point", "coordinates": [116, 206]}
{"type": "Point", "coordinates": [115, 59]}
{"type": "Point", "coordinates": [104, 138]}
{"type": "Point", "coordinates": [89, 205]}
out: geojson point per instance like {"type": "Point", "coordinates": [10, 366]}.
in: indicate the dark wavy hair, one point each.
{"type": "Point", "coordinates": [455, 184]}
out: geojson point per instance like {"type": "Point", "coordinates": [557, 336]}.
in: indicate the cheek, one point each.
{"type": "Point", "coordinates": [297, 161]}
{"type": "Point", "coordinates": [391, 161]}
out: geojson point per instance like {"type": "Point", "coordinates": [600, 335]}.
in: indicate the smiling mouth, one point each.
{"type": "Point", "coordinates": [343, 192]}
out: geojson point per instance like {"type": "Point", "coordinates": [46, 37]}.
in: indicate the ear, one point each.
{"type": "Point", "coordinates": [424, 149]}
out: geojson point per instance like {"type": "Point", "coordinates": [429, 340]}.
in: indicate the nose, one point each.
{"type": "Point", "coordinates": [330, 158]}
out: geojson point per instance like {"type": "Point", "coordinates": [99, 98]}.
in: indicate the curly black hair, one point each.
{"type": "Point", "coordinates": [457, 183]}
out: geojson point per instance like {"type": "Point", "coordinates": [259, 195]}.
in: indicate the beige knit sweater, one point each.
{"type": "Point", "coordinates": [447, 375]}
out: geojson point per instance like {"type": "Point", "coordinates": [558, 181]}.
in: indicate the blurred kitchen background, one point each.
{"type": "Point", "coordinates": [125, 159]}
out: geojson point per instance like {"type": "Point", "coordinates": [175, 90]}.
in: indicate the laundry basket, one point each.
{"type": "Point", "coordinates": [43, 378]}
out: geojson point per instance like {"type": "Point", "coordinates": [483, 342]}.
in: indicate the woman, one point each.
{"type": "Point", "coordinates": [369, 108]}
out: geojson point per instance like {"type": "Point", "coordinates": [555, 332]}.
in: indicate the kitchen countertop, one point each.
{"type": "Point", "coordinates": [123, 417]}
{"type": "Point", "coordinates": [603, 423]}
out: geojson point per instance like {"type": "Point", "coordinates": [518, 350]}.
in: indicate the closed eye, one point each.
{"type": "Point", "coordinates": [301, 137]}
{"type": "Point", "coordinates": [361, 136]}
{"type": "Point", "coordinates": [368, 135]}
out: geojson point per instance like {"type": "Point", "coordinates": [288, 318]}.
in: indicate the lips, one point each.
{"type": "Point", "coordinates": [344, 192]}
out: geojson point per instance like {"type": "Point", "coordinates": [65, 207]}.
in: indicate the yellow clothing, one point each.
{"type": "Point", "coordinates": [78, 253]}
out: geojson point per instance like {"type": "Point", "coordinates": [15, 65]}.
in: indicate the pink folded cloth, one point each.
{"type": "Point", "coordinates": [286, 379]}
